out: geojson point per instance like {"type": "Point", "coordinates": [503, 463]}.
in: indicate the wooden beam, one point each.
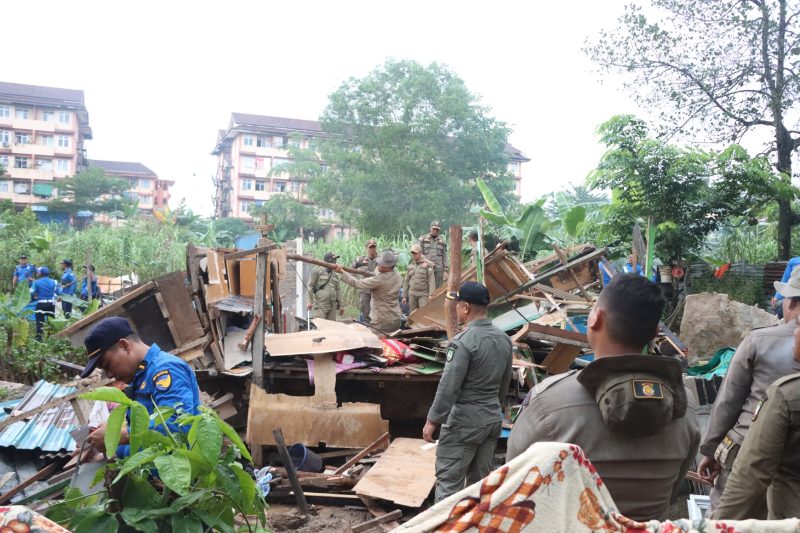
{"type": "Point", "coordinates": [41, 474]}
{"type": "Point", "coordinates": [111, 309]}
{"type": "Point", "coordinates": [377, 511]}
{"type": "Point", "coordinates": [565, 261]}
{"type": "Point", "coordinates": [453, 280]}
{"type": "Point", "coordinates": [245, 253]}
{"type": "Point", "coordinates": [331, 266]}
{"type": "Point", "coordinates": [290, 472]}
{"type": "Point", "coordinates": [560, 311]}
{"type": "Point", "coordinates": [370, 524]}
{"type": "Point", "coordinates": [363, 453]}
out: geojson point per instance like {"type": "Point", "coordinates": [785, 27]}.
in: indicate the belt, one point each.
{"type": "Point", "coordinates": [45, 301]}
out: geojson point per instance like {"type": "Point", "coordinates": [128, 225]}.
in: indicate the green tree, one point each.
{"type": "Point", "coordinates": [718, 70]}
{"type": "Point", "coordinates": [91, 190]}
{"type": "Point", "coordinates": [227, 230]}
{"type": "Point", "coordinates": [289, 215]}
{"type": "Point", "coordinates": [404, 145]}
{"type": "Point", "coordinates": [687, 192]}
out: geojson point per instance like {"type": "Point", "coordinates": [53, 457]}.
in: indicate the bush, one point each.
{"type": "Point", "coordinates": [745, 289]}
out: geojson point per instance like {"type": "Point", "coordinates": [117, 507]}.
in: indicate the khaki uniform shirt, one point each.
{"type": "Point", "coordinates": [643, 474]}
{"type": "Point", "coordinates": [324, 294]}
{"type": "Point", "coordinates": [475, 379]}
{"type": "Point", "coordinates": [367, 265]}
{"type": "Point", "coordinates": [385, 290]}
{"type": "Point", "coordinates": [769, 457]}
{"type": "Point", "coordinates": [765, 355]}
{"type": "Point", "coordinates": [419, 280]}
{"type": "Point", "coordinates": [435, 249]}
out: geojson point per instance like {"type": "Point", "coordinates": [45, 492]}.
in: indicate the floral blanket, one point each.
{"type": "Point", "coordinates": [19, 519]}
{"type": "Point", "coordinates": [553, 487]}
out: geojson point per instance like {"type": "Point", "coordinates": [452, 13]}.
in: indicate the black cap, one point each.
{"type": "Point", "coordinates": [23, 256]}
{"type": "Point", "coordinates": [102, 337]}
{"type": "Point", "coordinates": [471, 292]}
{"type": "Point", "coordinates": [67, 262]}
{"type": "Point", "coordinates": [330, 257]}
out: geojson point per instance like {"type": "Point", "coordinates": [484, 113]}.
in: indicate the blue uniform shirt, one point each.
{"type": "Point", "coordinates": [45, 290]}
{"type": "Point", "coordinates": [163, 380]}
{"type": "Point", "coordinates": [95, 289]}
{"type": "Point", "coordinates": [24, 272]}
{"type": "Point", "coordinates": [793, 263]}
{"type": "Point", "coordinates": [68, 282]}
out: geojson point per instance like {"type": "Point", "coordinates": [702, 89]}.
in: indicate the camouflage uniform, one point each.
{"type": "Point", "coordinates": [435, 249]}
{"type": "Point", "coordinates": [419, 283]}
{"type": "Point", "coordinates": [324, 293]}
{"type": "Point", "coordinates": [364, 295]}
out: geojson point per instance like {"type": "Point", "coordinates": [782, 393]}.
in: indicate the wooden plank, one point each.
{"type": "Point", "coordinates": [114, 308]}
{"type": "Point", "coordinates": [453, 281]}
{"type": "Point", "coordinates": [560, 311]}
{"type": "Point", "coordinates": [41, 474]}
{"type": "Point", "coordinates": [262, 263]}
{"type": "Point", "coordinates": [178, 301]}
{"type": "Point", "coordinates": [245, 253]}
{"type": "Point", "coordinates": [176, 337]}
{"type": "Point", "coordinates": [564, 261]}
{"type": "Point", "coordinates": [560, 358]}
{"type": "Point", "coordinates": [378, 511]}
{"type": "Point", "coordinates": [363, 453]}
{"type": "Point", "coordinates": [370, 524]}
{"type": "Point", "coordinates": [564, 336]}
{"type": "Point", "coordinates": [405, 474]}
{"type": "Point", "coordinates": [290, 472]}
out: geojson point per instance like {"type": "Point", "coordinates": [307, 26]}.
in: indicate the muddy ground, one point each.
{"type": "Point", "coordinates": [282, 517]}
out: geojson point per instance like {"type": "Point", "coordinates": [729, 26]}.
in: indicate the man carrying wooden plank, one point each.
{"type": "Point", "coordinates": [470, 396]}
{"type": "Point", "coordinates": [385, 289]}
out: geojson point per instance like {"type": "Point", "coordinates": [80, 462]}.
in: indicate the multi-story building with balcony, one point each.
{"type": "Point", "coordinates": [42, 134]}
{"type": "Point", "coordinates": [254, 147]}
{"type": "Point", "coordinates": [146, 187]}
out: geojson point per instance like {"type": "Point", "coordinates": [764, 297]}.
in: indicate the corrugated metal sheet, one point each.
{"type": "Point", "coordinates": [47, 431]}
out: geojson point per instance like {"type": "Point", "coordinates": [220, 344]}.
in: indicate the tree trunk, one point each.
{"type": "Point", "coordinates": [785, 146]}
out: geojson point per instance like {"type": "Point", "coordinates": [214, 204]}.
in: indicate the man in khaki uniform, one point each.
{"type": "Point", "coordinates": [435, 249]}
{"type": "Point", "coordinates": [768, 464]}
{"type": "Point", "coordinates": [629, 412]}
{"type": "Point", "coordinates": [384, 287]}
{"type": "Point", "coordinates": [324, 295]}
{"type": "Point", "coordinates": [470, 397]}
{"type": "Point", "coordinates": [765, 355]}
{"type": "Point", "coordinates": [367, 263]}
{"type": "Point", "coordinates": [419, 282]}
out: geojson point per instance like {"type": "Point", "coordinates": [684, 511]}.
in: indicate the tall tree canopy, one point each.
{"type": "Point", "coordinates": [289, 216]}
{"type": "Point", "coordinates": [717, 70]}
{"type": "Point", "coordinates": [405, 145]}
{"type": "Point", "coordinates": [91, 190]}
{"type": "Point", "coordinates": [687, 192]}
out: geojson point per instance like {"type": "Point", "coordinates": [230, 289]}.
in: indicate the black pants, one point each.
{"type": "Point", "coordinates": [67, 308]}
{"type": "Point", "coordinates": [43, 310]}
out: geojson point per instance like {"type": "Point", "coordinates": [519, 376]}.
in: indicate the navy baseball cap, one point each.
{"type": "Point", "coordinates": [102, 337]}
{"type": "Point", "coordinates": [471, 292]}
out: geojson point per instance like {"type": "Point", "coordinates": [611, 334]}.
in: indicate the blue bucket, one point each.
{"type": "Point", "coordinates": [305, 460]}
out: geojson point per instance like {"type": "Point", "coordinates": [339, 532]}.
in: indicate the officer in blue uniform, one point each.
{"type": "Point", "coordinates": [68, 285]}
{"type": "Point", "coordinates": [23, 271]}
{"type": "Point", "coordinates": [154, 377]}
{"type": "Point", "coordinates": [84, 286]}
{"type": "Point", "coordinates": [43, 292]}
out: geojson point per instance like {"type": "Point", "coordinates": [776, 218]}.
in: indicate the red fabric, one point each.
{"type": "Point", "coordinates": [397, 352]}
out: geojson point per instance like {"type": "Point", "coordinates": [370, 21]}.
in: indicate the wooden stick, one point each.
{"type": "Point", "coordinates": [453, 280]}
{"type": "Point", "coordinates": [360, 455]}
{"type": "Point", "coordinates": [564, 261]}
{"type": "Point", "coordinates": [377, 511]}
{"type": "Point", "coordinates": [249, 335]}
{"type": "Point", "coordinates": [331, 266]}
{"type": "Point", "coordinates": [245, 253]}
{"type": "Point", "coordinates": [369, 524]}
{"type": "Point", "coordinates": [44, 472]}
{"type": "Point", "coordinates": [290, 472]}
{"type": "Point", "coordinates": [560, 311]}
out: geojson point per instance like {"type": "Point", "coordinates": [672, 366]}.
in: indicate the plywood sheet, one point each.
{"type": "Point", "coordinates": [217, 287]}
{"type": "Point", "coordinates": [560, 358]}
{"type": "Point", "coordinates": [404, 474]}
{"type": "Point", "coordinates": [178, 301]}
{"type": "Point", "coordinates": [232, 355]}
{"type": "Point", "coordinates": [332, 337]}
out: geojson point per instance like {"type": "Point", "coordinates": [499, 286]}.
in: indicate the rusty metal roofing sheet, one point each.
{"type": "Point", "coordinates": [47, 431]}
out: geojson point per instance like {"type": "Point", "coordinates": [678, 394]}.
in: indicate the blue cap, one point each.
{"type": "Point", "coordinates": [102, 337]}
{"type": "Point", "coordinates": [44, 271]}
{"type": "Point", "coordinates": [470, 292]}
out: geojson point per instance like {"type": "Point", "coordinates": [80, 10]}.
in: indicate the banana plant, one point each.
{"type": "Point", "coordinates": [14, 313]}
{"type": "Point", "coordinates": [529, 228]}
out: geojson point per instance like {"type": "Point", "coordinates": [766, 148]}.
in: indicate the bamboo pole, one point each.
{"type": "Point", "coordinates": [331, 266]}
{"type": "Point", "coordinates": [453, 280]}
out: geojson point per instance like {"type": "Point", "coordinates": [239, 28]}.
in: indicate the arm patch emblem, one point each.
{"type": "Point", "coordinates": [450, 353]}
{"type": "Point", "coordinates": [162, 380]}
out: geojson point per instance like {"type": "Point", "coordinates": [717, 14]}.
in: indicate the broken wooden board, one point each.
{"type": "Point", "coordinates": [217, 287]}
{"type": "Point", "coordinates": [551, 334]}
{"type": "Point", "coordinates": [314, 420]}
{"type": "Point", "coordinates": [560, 358]}
{"type": "Point", "coordinates": [404, 474]}
{"type": "Point", "coordinates": [232, 355]}
{"type": "Point", "coordinates": [331, 337]}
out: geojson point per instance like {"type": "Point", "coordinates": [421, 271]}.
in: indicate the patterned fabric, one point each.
{"type": "Point", "coordinates": [17, 518]}
{"type": "Point", "coordinates": [554, 487]}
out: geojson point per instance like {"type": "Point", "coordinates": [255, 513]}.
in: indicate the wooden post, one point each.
{"type": "Point", "coordinates": [453, 280]}
{"type": "Point", "coordinates": [262, 263]}
{"type": "Point", "coordinates": [89, 276]}
{"type": "Point", "coordinates": [299, 496]}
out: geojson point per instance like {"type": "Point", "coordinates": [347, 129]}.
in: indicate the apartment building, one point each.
{"type": "Point", "coordinates": [42, 135]}
{"type": "Point", "coordinates": [146, 187]}
{"type": "Point", "coordinates": [254, 145]}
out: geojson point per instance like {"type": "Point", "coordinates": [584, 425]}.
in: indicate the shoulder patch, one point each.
{"type": "Point", "coordinates": [162, 380]}
{"type": "Point", "coordinates": [451, 351]}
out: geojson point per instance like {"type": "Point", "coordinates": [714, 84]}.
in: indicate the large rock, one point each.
{"type": "Point", "coordinates": [712, 321]}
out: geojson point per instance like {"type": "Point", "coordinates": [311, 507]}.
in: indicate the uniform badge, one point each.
{"type": "Point", "coordinates": [162, 380]}
{"type": "Point", "coordinates": [450, 353]}
{"type": "Point", "coordinates": [646, 389]}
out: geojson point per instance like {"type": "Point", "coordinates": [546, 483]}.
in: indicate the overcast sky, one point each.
{"type": "Point", "coordinates": [161, 78]}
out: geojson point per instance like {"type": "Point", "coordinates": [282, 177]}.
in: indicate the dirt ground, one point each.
{"type": "Point", "coordinates": [283, 518]}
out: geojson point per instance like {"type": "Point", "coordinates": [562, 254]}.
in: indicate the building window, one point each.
{"type": "Point", "coordinates": [247, 185]}
{"type": "Point", "coordinates": [247, 140]}
{"type": "Point", "coordinates": [248, 162]}
{"type": "Point", "coordinates": [146, 199]}
{"type": "Point", "coordinates": [278, 162]}
{"type": "Point", "coordinates": [245, 206]}
{"type": "Point", "coordinates": [132, 195]}
{"type": "Point", "coordinates": [48, 116]}
{"type": "Point", "coordinates": [46, 140]}
{"type": "Point", "coordinates": [44, 164]}
{"type": "Point", "coordinates": [22, 187]}
{"type": "Point", "coordinates": [325, 213]}
{"type": "Point", "coordinates": [514, 168]}
{"type": "Point", "coordinates": [64, 117]}
{"type": "Point", "coordinates": [279, 186]}
{"type": "Point", "coordinates": [5, 111]}
{"type": "Point", "coordinates": [278, 142]}
{"type": "Point", "coordinates": [145, 183]}
{"type": "Point", "coordinates": [22, 138]}
{"type": "Point", "coordinates": [264, 142]}
{"type": "Point", "coordinates": [294, 186]}
{"type": "Point", "coordinates": [63, 141]}
{"type": "Point", "coordinates": [22, 113]}
{"type": "Point", "coordinates": [5, 138]}
{"type": "Point", "coordinates": [21, 162]}
{"type": "Point", "coordinates": [261, 185]}
{"type": "Point", "coordinates": [4, 161]}
{"type": "Point", "coordinates": [62, 165]}
{"type": "Point", "coordinates": [5, 186]}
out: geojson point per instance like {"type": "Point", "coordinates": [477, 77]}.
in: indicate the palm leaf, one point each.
{"type": "Point", "coordinates": [492, 202]}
